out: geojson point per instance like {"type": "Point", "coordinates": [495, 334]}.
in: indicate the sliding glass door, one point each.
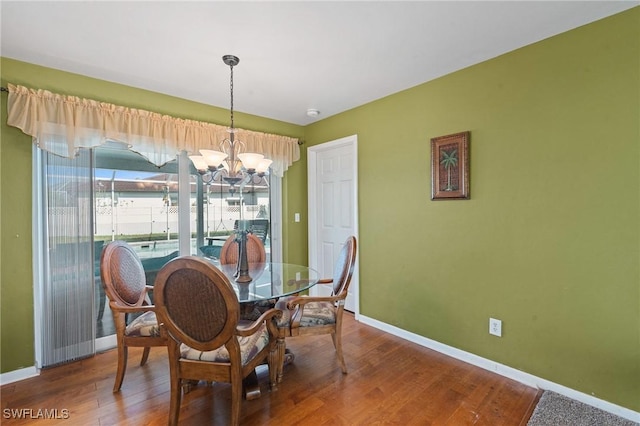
{"type": "Point", "coordinates": [110, 193]}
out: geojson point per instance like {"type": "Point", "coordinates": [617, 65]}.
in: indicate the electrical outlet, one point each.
{"type": "Point", "coordinates": [495, 327]}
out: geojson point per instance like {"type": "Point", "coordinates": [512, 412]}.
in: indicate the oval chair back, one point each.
{"type": "Point", "coordinates": [256, 252]}
{"type": "Point", "coordinates": [122, 274]}
{"type": "Point", "coordinates": [343, 271]}
{"type": "Point", "coordinates": [197, 303]}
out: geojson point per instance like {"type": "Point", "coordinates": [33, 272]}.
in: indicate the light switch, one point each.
{"type": "Point", "coordinates": [296, 217]}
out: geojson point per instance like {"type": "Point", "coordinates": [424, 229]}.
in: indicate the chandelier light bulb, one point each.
{"type": "Point", "coordinates": [250, 161]}
{"type": "Point", "coordinates": [213, 158]}
{"type": "Point", "coordinates": [199, 163]}
{"type": "Point", "coordinates": [263, 166]}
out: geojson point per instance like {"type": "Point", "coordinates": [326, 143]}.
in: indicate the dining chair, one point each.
{"type": "Point", "coordinates": [198, 312]}
{"type": "Point", "coordinates": [256, 252]}
{"type": "Point", "coordinates": [311, 315]}
{"type": "Point", "coordinates": [123, 278]}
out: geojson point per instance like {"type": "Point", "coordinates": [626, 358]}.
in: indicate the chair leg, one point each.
{"type": "Point", "coordinates": [174, 403]}
{"type": "Point", "coordinates": [145, 356]}
{"type": "Point", "coordinates": [275, 363]}
{"type": "Point", "coordinates": [280, 351]}
{"type": "Point", "coordinates": [123, 351]}
{"type": "Point", "coordinates": [175, 382]}
{"type": "Point", "coordinates": [337, 342]}
{"type": "Point", "coordinates": [236, 400]}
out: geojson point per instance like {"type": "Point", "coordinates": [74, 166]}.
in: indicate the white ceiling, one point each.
{"type": "Point", "coordinates": [294, 55]}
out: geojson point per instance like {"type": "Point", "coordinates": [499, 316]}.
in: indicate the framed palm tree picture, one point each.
{"type": "Point", "coordinates": [450, 167]}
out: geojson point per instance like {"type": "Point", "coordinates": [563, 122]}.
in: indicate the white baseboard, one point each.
{"type": "Point", "coordinates": [503, 370]}
{"type": "Point", "coordinates": [17, 375]}
{"type": "Point", "coordinates": [102, 344]}
{"type": "Point", "coordinates": [106, 343]}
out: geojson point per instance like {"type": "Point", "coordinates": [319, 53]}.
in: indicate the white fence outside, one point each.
{"type": "Point", "coordinates": [127, 220]}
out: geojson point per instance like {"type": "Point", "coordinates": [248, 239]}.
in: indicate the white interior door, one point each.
{"type": "Point", "coordinates": [333, 209]}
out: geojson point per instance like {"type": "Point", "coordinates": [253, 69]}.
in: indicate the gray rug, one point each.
{"type": "Point", "coordinates": [558, 410]}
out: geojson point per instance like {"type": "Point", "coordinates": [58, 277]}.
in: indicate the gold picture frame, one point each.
{"type": "Point", "coordinates": [450, 167]}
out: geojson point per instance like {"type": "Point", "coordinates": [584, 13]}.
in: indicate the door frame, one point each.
{"type": "Point", "coordinates": [313, 205]}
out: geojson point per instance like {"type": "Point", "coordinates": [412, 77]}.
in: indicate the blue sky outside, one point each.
{"type": "Point", "coordinates": [124, 174]}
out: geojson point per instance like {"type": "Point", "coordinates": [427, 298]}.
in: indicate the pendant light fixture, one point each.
{"type": "Point", "coordinates": [230, 162]}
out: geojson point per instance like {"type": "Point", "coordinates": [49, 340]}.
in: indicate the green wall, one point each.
{"type": "Point", "coordinates": [548, 242]}
{"type": "Point", "coordinates": [16, 278]}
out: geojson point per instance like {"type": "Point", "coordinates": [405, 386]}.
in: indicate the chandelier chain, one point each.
{"type": "Point", "coordinates": [231, 90]}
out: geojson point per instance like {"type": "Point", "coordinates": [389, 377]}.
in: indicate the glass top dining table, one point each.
{"type": "Point", "coordinates": [270, 280]}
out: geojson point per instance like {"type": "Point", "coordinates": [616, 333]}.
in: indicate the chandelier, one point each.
{"type": "Point", "coordinates": [230, 164]}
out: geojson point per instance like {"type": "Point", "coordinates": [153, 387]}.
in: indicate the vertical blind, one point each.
{"type": "Point", "coordinates": [67, 290]}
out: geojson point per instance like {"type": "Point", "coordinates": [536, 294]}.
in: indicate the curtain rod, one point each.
{"type": "Point", "coordinates": [4, 89]}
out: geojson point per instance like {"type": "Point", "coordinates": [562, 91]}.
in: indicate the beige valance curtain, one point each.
{"type": "Point", "coordinates": [62, 124]}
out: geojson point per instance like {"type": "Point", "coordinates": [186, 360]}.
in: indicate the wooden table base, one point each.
{"type": "Point", "coordinates": [250, 385]}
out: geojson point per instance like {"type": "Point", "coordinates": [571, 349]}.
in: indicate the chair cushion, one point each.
{"type": "Point", "coordinates": [318, 313]}
{"type": "Point", "coordinates": [315, 313]}
{"type": "Point", "coordinates": [143, 326]}
{"type": "Point", "coordinates": [249, 348]}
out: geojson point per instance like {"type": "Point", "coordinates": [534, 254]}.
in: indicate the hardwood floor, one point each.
{"type": "Point", "coordinates": [390, 382]}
